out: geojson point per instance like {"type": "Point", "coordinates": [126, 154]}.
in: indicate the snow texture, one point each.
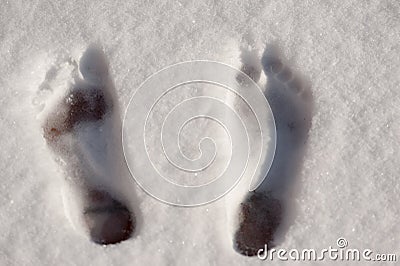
{"type": "Point", "coordinates": [345, 185]}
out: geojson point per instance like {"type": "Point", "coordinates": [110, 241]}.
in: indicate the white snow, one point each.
{"type": "Point", "coordinates": [348, 185]}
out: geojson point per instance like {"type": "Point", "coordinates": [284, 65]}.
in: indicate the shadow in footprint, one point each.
{"type": "Point", "coordinates": [267, 213]}
{"type": "Point", "coordinates": [84, 128]}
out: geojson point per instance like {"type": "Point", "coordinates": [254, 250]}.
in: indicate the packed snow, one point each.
{"type": "Point", "coordinates": [346, 183]}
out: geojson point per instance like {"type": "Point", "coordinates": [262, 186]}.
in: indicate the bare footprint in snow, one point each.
{"type": "Point", "coordinates": [81, 126]}
{"type": "Point", "coordinates": [264, 212]}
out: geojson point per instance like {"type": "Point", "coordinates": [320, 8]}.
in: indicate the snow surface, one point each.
{"type": "Point", "coordinates": [347, 186]}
